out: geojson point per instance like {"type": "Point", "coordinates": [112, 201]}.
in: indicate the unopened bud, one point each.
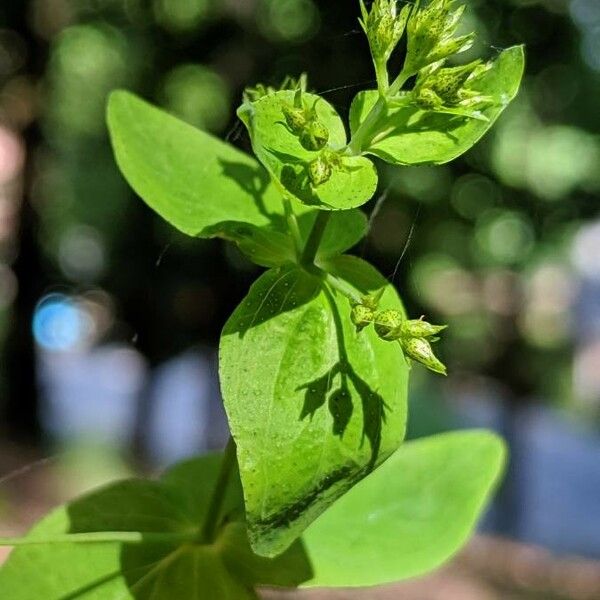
{"type": "Point", "coordinates": [384, 26]}
{"type": "Point", "coordinates": [388, 324]}
{"type": "Point", "coordinates": [361, 316]}
{"type": "Point", "coordinates": [314, 136]}
{"type": "Point", "coordinates": [372, 300]}
{"type": "Point", "coordinates": [448, 83]}
{"type": "Point", "coordinates": [295, 118]}
{"type": "Point", "coordinates": [430, 35]}
{"type": "Point", "coordinates": [419, 350]}
{"type": "Point", "coordinates": [320, 170]}
{"type": "Point", "coordinates": [427, 99]}
{"type": "Point", "coordinates": [419, 328]}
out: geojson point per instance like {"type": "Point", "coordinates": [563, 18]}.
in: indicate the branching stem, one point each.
{"type": "Point", "coordinates": [372, 123]}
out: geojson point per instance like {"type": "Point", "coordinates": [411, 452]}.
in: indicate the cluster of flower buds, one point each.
{"type": "Point", "coordinates": [450, 89]}
{"type": "Point", "coordinates": [252, 94]}
{"type": "Point", "coordinates": [431, 34]}
{"type": "Point", "coordinates": [302, 120]}
{"type": "Point", "coordinates": [414, 336]}
{"type": "Point", "coordinates": [384, 26]}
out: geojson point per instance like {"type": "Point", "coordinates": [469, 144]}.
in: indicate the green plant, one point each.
{"type": "Point", "coordinates": [316, 489]}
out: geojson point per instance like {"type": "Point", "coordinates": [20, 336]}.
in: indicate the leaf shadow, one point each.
{"type": "Point", "coordinates": [338, 396]}
{"type": "Point", "coordinates": [254, 180]}
{"type": "Point", "coordinates": [414, 120]}
{"type": "Point", "coordinates": [277, 291]}
{"type": "Point", "coordinates": [172, 507]}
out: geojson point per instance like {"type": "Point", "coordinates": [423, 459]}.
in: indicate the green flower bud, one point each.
{"type": "Point", "coordinates": [320, 170]}
{"type": "Point", "coordinates": [448, 83]}
{"type": "Point", "coordinates": [452, 46]}
{"type": "Point", "coordinates": [295, 118]}
{"type": "Point", "coordinates": [252, 94]}
{"type": "Point", "coordinates": [430, 35]}
{"type": "Point", "coordinates": [314, 136]}
{"type": "Point", "coordinates": [419, 350]}
{"type": "Point", "coordinates": [384, 27]}
{"type": "Point", "coordinates": [449, 89]}
{"type": "Point", "coordinates": [420, 329]}
{"type": "Point", "coordinates": [372, 300]}
{"type": "Point", "coordinates": [388, 324]}
{"type": "Point", "coordinates": [361, 316]}
{"type": "Point", "coordinates": [427, 99]}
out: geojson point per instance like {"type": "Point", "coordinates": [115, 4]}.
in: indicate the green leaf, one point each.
{"type": "Point", "coordinates": [352, 183]}
{"type": "Point", "coordinates": [410, 515]}
{"type": "Point", "coordinates": [313, 406]}
{"type": "Point", "coordinates": [190, 178]}
{"type": "Point", "coordinates": [205, 187]}
{"type": "Point", "coordinates": [418, 137]}
{"type": "Point", "coordinates": [162, 562]}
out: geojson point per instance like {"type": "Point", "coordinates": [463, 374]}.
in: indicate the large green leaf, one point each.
{"type": "Point", "coordinates": [158, 558]}
{"type": "Point", "coordinates": [192, 179]}
{"type": "Point", "coordinates": [419, 137]}
{"type": "Point", "coordinates": [352, 183]}
{"type": "Point", "coordinates": [313, 406]}
{"type": "Point", "coordinates": [410, 515]}
{"type": "Point", "coordinates": [206, 187]}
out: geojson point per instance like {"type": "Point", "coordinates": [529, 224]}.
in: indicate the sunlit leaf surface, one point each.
{"type": "Point", "coordinates": [313, 406]}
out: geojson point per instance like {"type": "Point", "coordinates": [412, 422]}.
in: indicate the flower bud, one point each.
{"type": "Point", "coordinates": [419, 350]}
{"type": "Point", "coordinates": [253, 94]}
{"type": "Point", "coordinates": [388, 324]}
{"type": "Point", "coordinates": [372, 300]}
{"type": "Point", "coordinates": [452, 46]}
{"type": "Point", "coordinates": [384, 27]}
{"type": "Point", "coordinates": [295, 118]}
{"type": "Point", "coordinates": [361, 316]}
{"type": "Point", "coordinates": [320, 170]}
{"type": "Point", "coordinates": [449, 89]}
{"type": "Point", "coordinates": [427, 99]}
{"type": "Point", "coordinates": [314, 136]}
{"type": "Point", "coordinates": [447, 83]}
{"type": "Point", "coordinates": [418, 328]}
{"type": "Point", "coordinates": [430, 35]}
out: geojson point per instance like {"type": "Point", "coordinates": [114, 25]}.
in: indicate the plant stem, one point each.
{"type": "Point", "coordinates": [292, 224]}
{"type": "Point", "coordinates": [372, 121]}
{"type": "Point", "coordinates": [383, 80]}
{"type": "Point", "coordinates": [211, 521]}
{"type": "Point", "coordinates": [314, 239]}
{"type": "Point", "coordinates": [343, 288]}
{"type": "Point", "coordinates": [399, 82]}
{"type": "Point", "coordinates": [101, 537]}
{"type": "Point", "coordinates": [368, 126]}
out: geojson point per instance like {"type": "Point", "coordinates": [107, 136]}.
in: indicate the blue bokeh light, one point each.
{"type": "Point", "coordinates": [59, 324]}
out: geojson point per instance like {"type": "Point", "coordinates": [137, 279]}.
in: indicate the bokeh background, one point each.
{"type": "Point", "coordinates": [109, 319]}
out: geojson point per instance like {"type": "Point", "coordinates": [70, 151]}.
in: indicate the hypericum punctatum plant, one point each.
{"type": "Point", "coordinates": [315, 487]}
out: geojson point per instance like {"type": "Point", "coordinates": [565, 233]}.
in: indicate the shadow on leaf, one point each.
{"type": "Point", "coordinates": [167, 562]}
{"type": "Point", "coordinates": [334, 389]}
{"type": "Point", "coordinates": [255, 182]}
{"type": "Point", "coordinates": [277, 291]}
